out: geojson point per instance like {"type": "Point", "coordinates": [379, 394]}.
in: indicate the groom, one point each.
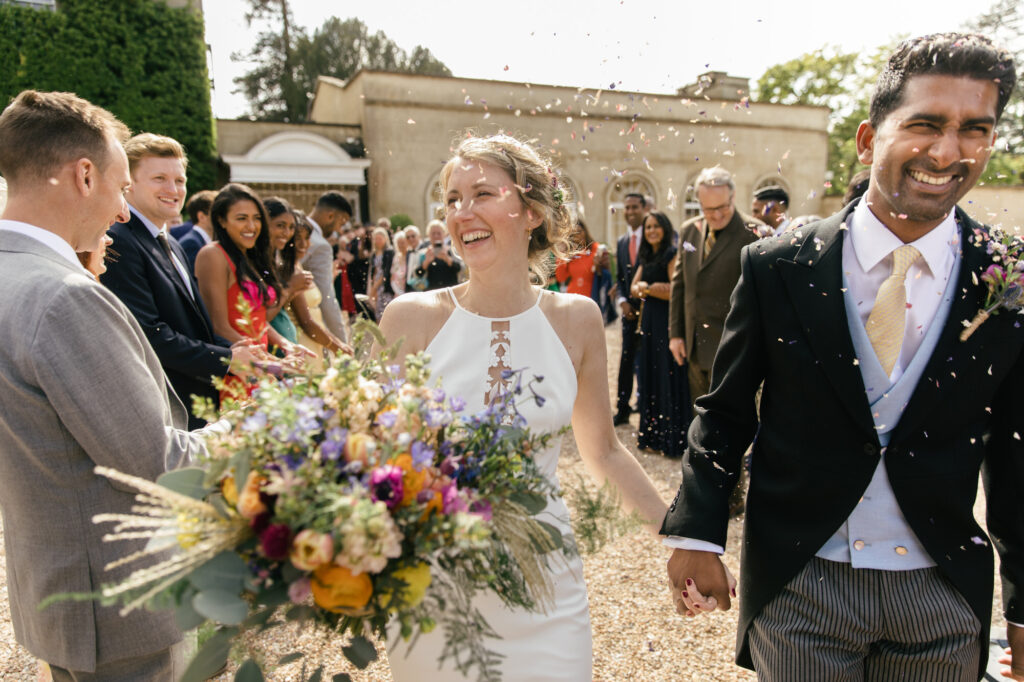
{"type": "Point", "coordinates": [861, 556]}
{"type": "Point", "coordinates": [81, 387]}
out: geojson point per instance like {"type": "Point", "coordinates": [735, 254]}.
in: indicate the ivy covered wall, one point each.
{"type": "Point", "coordinates": [142, 60]}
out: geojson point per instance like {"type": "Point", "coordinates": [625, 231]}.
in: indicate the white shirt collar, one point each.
{"type": "Point", "coordinates": [150, 225]}
{"type": "Point", "coordinates": [873, 241]}
{"type": "Point", "coordinates": [45, 237]}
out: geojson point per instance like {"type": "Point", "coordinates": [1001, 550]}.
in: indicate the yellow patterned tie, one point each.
{"type": "Point", "coordinates": [709, 241]}
{"type": "Point", "coordinates": [888, 317]}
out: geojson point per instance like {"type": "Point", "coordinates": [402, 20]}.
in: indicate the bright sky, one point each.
{"type": "Point", "coordinates": [639, 45]}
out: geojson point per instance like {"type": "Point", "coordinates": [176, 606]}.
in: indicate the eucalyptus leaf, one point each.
{"type": "Point", "coordinates": [240, 463]}
{"type": "Point", "coordinates": [249, 672]}
{"type": "Point", "coordinates": [187, 481]}
{"type": "Point", "coordinates": [220, 606]}
{"type": "Point", "coordinates": [186, 617]}
{"type": "Point", "coordinates": [226, 572]}
{"type": "Point", "coordinates": [556, 535]}
{"type": "Point", "coordinates": [211, 657]}
{"type": "Point", "coordinates": [360, 652]}
{"type": "Point", "coordinates": [533, 503]}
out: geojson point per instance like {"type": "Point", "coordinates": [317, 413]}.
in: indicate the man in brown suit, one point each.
{"type": "Point", "coordinates": [707, 269]}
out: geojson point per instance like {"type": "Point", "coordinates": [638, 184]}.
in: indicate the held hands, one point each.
{"type": "Point", "coordinates": [678, 348]}
{"type": "Point", "coordinates": [700, 582]}
{"type": "Point", "coordinates": [1013, 656]}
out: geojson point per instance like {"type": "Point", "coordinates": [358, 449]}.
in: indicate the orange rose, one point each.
{"type": "Point", "coordinates": [359, 447]}
{"type": "Point", "coordinates": [336, 589]}
{"type": "Point", "coordinates": [249, 504]}
{"type": "Point", "coordinates": [412, 481]}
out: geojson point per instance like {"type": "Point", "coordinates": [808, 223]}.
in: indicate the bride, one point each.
{"type": "Point", "coordinates": [505, 214]}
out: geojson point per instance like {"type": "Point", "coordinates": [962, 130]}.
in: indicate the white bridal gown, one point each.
{"type": "Point", "coordinates": [468, 355]}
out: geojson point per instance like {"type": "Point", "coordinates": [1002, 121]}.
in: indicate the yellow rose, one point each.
{"type": "Point", "coordinates": [417, 580]}
{"type": "Point", "coordinates": [310, 550]}
{"type": "Point", "coordinates": [336, 589]}
{"type": "Point", "coordinates": [249, 504]}
{"type": "Point", "coordinates": [359, 447]}
{"type": "Point", "coordinates": [229, 490]}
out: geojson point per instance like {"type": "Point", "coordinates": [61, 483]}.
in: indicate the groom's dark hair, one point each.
{"type": "Point", "coordinates": [42, 131]}
{"type": "Point", "coordinates": [968, 55]}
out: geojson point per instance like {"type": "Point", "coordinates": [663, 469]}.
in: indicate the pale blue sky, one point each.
{"type": "Point", "coordinates": [639, 45]}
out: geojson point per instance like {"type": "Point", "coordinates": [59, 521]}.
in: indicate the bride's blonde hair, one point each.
{"type": "Point", "coordinates": [539, 187]}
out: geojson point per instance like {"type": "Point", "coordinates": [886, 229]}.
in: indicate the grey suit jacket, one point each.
{"type": "Point", "coordinates": [701, 286]}
{"type": "Point", "coordinates": [80, 386]}
{"type": "Point", "coordinates": [319, 261]}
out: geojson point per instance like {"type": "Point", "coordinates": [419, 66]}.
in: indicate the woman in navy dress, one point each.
{"type": "Point", "coordinates": [664, 396]}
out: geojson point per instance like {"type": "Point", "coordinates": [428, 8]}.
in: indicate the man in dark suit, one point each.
{"type": "Point", "coordinates": [626, 250]}
{"type": "Point", "coordinates": [150, 275]}
{"type": "Point", "coordinates": [201, 232]}
{"type": "Point", "coordinates": [862, 559]}
{"type": "Point", "coordinates": [706, 272]}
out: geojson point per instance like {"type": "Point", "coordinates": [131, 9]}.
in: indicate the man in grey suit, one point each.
{"type": "Point", "coordinates": [81, 388]}
{"type": "Point", "coordinates": [332, 210]}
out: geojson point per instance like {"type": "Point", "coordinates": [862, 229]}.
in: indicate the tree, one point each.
{"type": "Point", "coordinates": [288, 59]}
{"type": "Point", "coordinates": [1004, 23]}
{"type": "Point", "coordinates": [840, 81]}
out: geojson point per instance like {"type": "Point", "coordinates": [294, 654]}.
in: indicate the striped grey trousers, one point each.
{"type": "Point", "coordinates": [835, 623]}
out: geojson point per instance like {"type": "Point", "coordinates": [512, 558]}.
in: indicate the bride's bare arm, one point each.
{"type": "Point", "coordinates": [605, 458]}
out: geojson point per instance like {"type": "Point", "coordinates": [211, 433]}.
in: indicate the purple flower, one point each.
{"type": "Point", "coordinates": [688, 247]}
{"type": "Point", "coordinates": [387, 419]}
{"type": "Point", "coordinates": [256, 422]}
{"type": "Point", "coordinates": [481, 508]}
{"type": "Point", "coordinates": [449, 466]}
{"type": "Point", "coordinates": [334, 443]}
{"type": "Point", "coordinates": [386, 485]}
{"type": "Point", "coordinates": [275, 541]}
{"type": "Point", "coordinates": [457, 404]}
{"type": "Point", "coordinates": [437, 395]}
{"type": "Point", "coordinates": [436, 418]}
{"type": "Point", "coordinates": [422, 455]}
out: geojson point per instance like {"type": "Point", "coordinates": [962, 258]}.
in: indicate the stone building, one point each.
{"type": "Point", "coordinates": [607, 143]}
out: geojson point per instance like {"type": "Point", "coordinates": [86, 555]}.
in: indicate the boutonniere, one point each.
{"type": "Point", "coordinates": [1004, 278]}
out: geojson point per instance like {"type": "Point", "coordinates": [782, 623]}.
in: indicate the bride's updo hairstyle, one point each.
{"type": "Point", "coordinates": [539, 188]}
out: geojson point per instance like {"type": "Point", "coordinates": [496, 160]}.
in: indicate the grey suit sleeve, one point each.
{"type": "Point", "coordinates": [319, 261]}
{"type": "Point", "coordinates": [104, 382]}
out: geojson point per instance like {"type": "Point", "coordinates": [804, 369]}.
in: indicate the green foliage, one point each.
{"type": "Point", "coordinates": [840, 81]}
{"type": "Point", "coordinates": [597, 517]}
{"type": "Point", "coordinates": [286, 59]}
{"type": "Point", "coordinates": [399, 221]}
{"type": "Point", "coordinates": [142, 60]}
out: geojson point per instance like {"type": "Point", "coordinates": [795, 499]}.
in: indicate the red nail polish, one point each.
{"type": "Point", "coordinates": [689, 582]}
{"type": "Point", "coordinates": [685, 594]}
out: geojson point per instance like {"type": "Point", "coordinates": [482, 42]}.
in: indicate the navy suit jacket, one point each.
{"type": "Point", "coordinates": [177, 326]}
{"type": "Point", "coordinates": [179, 231]}
{"type": "Point", "coordinates": [624, 271]}
{"type": "Point", "coordinates": [190, 243]}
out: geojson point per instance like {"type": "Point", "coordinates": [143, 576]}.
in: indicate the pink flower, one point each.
{"type": "Point", "coordinates": [386, 485]}
{"type": "Point", "coordinates": [453, 502]}
{"type": "Point", "coordinates": [311, 550]}
{"type": "Point", "coordinates": [275, 541]}
{"type": "Point", "coordinates": [300, 590]}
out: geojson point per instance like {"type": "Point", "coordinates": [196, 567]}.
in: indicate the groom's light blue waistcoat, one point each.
{"type": "Point", "coordinates": [876, 534]}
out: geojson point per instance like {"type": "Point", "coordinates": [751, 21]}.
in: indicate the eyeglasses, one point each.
{"type": "Point", "coordinates": [716, 209]}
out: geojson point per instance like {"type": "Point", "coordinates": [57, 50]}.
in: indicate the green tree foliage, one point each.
{"type": "Point", "coordinates": [1004, 23]}
{"type": "Point", "coordinates": [837, 80]}
{"type": "Point", "coordinates": [142, 60]}
{"type": "Point", "coordinates": [287, 59]}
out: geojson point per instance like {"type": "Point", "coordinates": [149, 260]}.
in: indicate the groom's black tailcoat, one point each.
{"type": "Point", "coordinates": [817, 448]}
{"type": "Point", "coordinates": [176, 324]}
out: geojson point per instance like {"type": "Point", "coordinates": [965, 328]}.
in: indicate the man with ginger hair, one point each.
{"type": "Point", "coordinates": [82, 388]}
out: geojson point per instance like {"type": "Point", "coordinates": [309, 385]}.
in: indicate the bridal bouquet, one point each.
{"type": "Point", "coordinates": [359, 498]}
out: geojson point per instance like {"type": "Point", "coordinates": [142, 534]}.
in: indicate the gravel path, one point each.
{"type": "Point", "coordinates": [637, 634]}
